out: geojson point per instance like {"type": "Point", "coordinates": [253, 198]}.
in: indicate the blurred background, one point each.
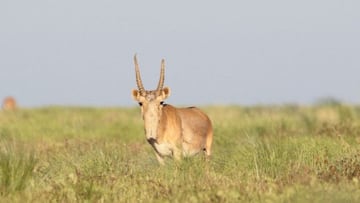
{"type": "Point", "coordinates": [217, 52]}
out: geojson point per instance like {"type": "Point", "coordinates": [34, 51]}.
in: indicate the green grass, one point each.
{"type": "Point", "coordinates": [260, 154]}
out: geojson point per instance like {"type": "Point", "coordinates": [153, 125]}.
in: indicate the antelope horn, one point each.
{"type": "Point", "coordinates": [162, 76]}
{"type": "Point", "coordinates": [138, 78]}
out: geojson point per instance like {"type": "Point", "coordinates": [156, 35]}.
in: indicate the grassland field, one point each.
{"type": "Point", "coordinates": [260, 154]}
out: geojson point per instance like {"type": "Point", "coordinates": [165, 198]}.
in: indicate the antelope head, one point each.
{"type": "Point", "coordinates": [151, 101]}
{"type": "Point", "coordinates": [9, 103]}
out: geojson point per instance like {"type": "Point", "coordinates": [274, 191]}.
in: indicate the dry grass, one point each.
{"type": "Point", "coordinates": [274, 154]}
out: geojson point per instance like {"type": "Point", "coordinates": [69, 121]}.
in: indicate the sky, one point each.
{"type": "Point", "coordinates": [80, 52]}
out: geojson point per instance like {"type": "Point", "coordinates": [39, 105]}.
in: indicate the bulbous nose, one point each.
{"type": "Point", "coordinates": [152, 141]}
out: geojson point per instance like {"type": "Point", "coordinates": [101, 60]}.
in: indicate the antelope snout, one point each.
{"type": "Point", "coordinates": [151, 141]}
{"type": "Point", "coordinates": [150, 134]}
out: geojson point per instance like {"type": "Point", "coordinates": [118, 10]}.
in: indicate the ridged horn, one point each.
{"type": "Point", "coordinates": [162, 76]}
{"type": "Point", "coordinates": [138, 78]}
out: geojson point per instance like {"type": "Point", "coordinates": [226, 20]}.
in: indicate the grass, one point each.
{"type": "Point", "coordinates": [260, 154]}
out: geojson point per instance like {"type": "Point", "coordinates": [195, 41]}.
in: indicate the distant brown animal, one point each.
{"type": "Point", "coordinates": [9, 104]}
{"type": "Point", "coordinates": [169, 130]}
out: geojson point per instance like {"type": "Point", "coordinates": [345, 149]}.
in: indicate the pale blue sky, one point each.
{"type": "Point", "coordinates": [80, 52]}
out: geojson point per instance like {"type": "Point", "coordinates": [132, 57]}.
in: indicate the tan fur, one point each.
{"type": "Point", "coordinates": [172, 131]}
{"type": "Point", "coordinates": [9, 104]}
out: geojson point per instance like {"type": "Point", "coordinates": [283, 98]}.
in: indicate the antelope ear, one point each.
{"type": "Point", "coordinates": [165, 92]}
{"type": "Point", "coordinates": [135, 94]}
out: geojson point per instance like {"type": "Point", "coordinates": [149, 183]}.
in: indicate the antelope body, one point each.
{"type": "Point", "coordinates": [9, 103]}
{"type": "Point", "coordinates": [169, 130]}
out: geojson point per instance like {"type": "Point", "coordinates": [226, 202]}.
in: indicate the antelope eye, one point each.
{"type": "Point", "coordinates": [140, 103]}
{"type": "Point", "coordinates": [161, 103]}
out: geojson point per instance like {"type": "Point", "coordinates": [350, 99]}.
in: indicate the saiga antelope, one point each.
{"type": "Point", "coordinates": [169, 130]}
{"type": "Point", "coordinates": [9, 103]}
